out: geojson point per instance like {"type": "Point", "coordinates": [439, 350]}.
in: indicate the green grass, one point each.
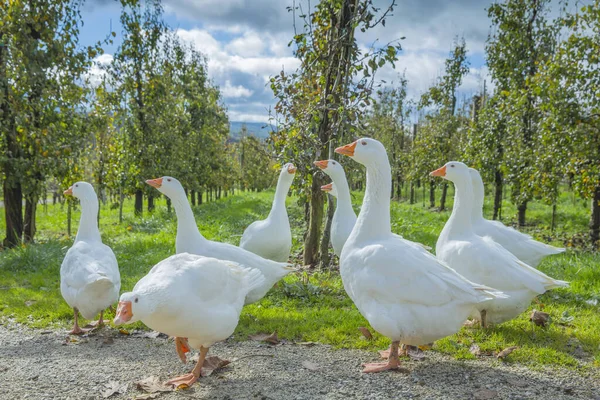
{"type": "Point", "coordinates": [314, 307]}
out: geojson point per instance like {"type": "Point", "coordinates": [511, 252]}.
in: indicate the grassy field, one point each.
{"type": "Point", "coordinates": [312, 306]}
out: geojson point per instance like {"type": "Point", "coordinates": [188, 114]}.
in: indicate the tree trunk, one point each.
{"type": "Point", "coordinates": [193, 197]}
{"type": "Point", "coordinates": [199, 197]}
{"type": "Point", "coordinates": [13, 213]}
{"type": "Point", "coordinates": [325, 256]}
{"type": "Point", "coordinates": [595, 219]}
{"type": "Point", "coordinates": [443, 198]}
{"type": "Point", "coordinates": [398, 187]}
{"type": "Point", "coordinates": [29, 225]}
{"type": "Point", "coordinates": [498, 195]}
{"type": "Point", "coordinates": [522, 209]}
{"type": "Point", "coordinates": [121, 201]}
{"type": "Point", "coordinates": [431, 195]}
{"type": "Point", "coordinates": [69, 215]}
{"type": "Point", "coordinates": [168, 205]}
{"type": "Point", "coordinates": [139, 203]}
{"type": "Point", "coordinates": [311, 245]}
{"type": "Point", "coordinates": [412, 193]}
{"type": "Point", "coordinates": [150, 203]}
{"type": "Point", "coordinates": [219, 193]}
{"type": "Point", "coordinates": [553, 223]}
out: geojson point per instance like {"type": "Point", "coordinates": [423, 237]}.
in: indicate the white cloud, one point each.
{"type": "Point", "coordinates": [98, 70]}
{"type": "Point", "coordinates": [230, 91]}
{"type": "Point", "coordinates": [250, 44]}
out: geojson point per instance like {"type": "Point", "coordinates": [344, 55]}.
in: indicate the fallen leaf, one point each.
{"type": "Point", "coordinates": [539, 318]}
{"type": "Point", "coordinates": [263, 337]}
{"type": "Point", "coordinates": [310, 365]}
{"type": "Point", "coordinates": [366, 333]}
{"type": "Point", "coordinates": [307, 344]}
{"type": "Point", "coordinates": [504, 353]}
{"type": "Point", "coordinates": [485, 394]}
{"type": "Point", "coordinates": [123, 332]}
{"type": "Point", "coordinates": [475, 350]}
{"type": "Point", "coordinates": [212, 364]}
{"type": "Point", "coordinates": [114, 387]}
{"type": "Point", "coordinates": [154, 335]}
{"type": "Point", "coordinates": [415, 353]}
{"type": "Point", "coordinates": [107, 341]}
{"type": "Point", "coordinates": [152, 384]}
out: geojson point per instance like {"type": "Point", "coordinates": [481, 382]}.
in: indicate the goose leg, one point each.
{"type": "Point", "coordinates": [393, 361]}
{"type": "Point", "coordinates": [385, 354]}
{"type": "Point", "coordinates": [182, 347]}
{"type": "Point", "coordinates": [76, 329]}
{"type": "Point", "coordinates": [100, 322]}
{"type": "Point", "coordinates": [189, 379]}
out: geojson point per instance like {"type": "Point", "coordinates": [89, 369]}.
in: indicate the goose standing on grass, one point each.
{"type": "Point", "coordinates": [190, 296]}
{"type": "Point", "coordinates": [272, 237]}
{"type": "Point", "coordinates": [405, 293]}
{"type": "Point", "coordinates": [483, 260]}
{"type": "Point", "coordinates": [523, 246]}
{"type": "Point", "coordinates": [89, 274]}
{"type": "Point", "coordinates": [344, 217]}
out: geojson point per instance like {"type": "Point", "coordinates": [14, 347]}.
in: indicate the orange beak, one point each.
{"type": "Point", "coordinates": [321, 164]}
{"type": "Point", "coordinates": [291, 169]}
{"type": "Point", "coordinates": [347, 150]}
{"type": "Point", "coordinates": [69, 191]}
{"type": "Point", "coordinates": [327, 188]}
{"type": "Point", "coordinates": [124, 313]}
{"type": "Point", "coordinates": [439, 172]}
{"type": "Point", "coordinates": [155, 183]}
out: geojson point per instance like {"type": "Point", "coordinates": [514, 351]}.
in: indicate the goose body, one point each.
{"type": "Point", "coordinates": [403, 291]}
{"type": "Point", "coordinates": [483, 260]}
{"type": "Point", "coordinates": [523, 246]}
{"type": "Point", "coordinates": [344, 217]}
{"type": "Point", "coordinates": [190, 240]}
{"type": "Point", "coordinates": [89, 274]}
{"type": "Point", "coordinates": [271, 238]}
{"type": "Point", "coordinates": [190, 296]}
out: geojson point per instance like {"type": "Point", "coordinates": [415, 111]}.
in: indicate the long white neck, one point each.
{"type": "Point", "coordinates": [283, 186]}
{"type": "Point", "coordinates": [478, 196]}
{"type": "Point", "coordinates": [374, 217]}
{"type": "Point", "coordinates": [188, 234]}
{"type": "Point", "coordinates": [460, 220]}
{"type": "Point", "coordinates": [344, 201]}
{"type": "Point", "coordinates": [88, 223]}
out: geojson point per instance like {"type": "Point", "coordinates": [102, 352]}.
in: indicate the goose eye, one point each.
{"type": "Point", "coordinates": [76, 185]}
{"type": "Point", "coordinates": [168, 179]}
{"type": "Point", "coordinates": [333, 162]}
{"type": "Point", "coordinates": [364, 142]}
{"type": "Point", "coordinates": [136, 300]}
{"type": "Point", "coordinates": [452, 165]}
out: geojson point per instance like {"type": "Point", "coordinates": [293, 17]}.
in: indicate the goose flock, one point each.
{"type": "Point", "coordinates": [482, 269]}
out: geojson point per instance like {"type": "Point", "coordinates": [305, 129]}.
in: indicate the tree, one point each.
{"type": "Point", "coordinates": [325, 97]}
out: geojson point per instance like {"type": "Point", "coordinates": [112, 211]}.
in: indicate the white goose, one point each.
{"type": "Point", "coordinates": [89, 274]}
{"type": "Point", "coordinates": [483, 260]}
{"type": "Point", "coordinates": [523, 246]}
{"type": "Point", "coordinates": [272, 237]}
{"type": "Point", "coordinates": [344, 217]}
{"type": "Point", "coordinates": [405, 293]}
{"type": "Point", "coordinates": [190, 296]}
{"type": "Point", "coordinates": [190, 240]}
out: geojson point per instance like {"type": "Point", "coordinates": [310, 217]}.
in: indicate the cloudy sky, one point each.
{"type": "Point", "coordinates": [246, 42]}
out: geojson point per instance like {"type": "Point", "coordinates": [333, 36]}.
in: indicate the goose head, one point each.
{"type": "Point", "coordinates": [332, 168]}
{"type": "Point", "coordinates": [454, 171]}
{"type": "Point", "coordinates": [366, 151]}
{"type": "Point", "coordinates": [288, 171]}
{"type": "Point", "coordinates": [132, 307]}
{"type": "Point", "coordinates": [330, 188]}
{"type": "Point", "coordinates": [167, 185]}
{"type": "Point", "coordinates": [81, 191]}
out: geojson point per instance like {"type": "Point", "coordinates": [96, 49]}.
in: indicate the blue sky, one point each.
{"type": "Point", "coordinates": [246, 42]}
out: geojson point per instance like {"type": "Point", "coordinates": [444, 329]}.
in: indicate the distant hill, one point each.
{"type": "Point", "coordinates": [258, 129]}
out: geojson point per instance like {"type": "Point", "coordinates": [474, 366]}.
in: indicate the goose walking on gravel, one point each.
{"type": "Point", "coordinates": [271, 238]}
{"type": "Point", "coordinates": [89, 274]}
{"type": "Point", "coordinates": [191, 296]}
{"type": "Point", "coordinates": [523, 246]}
{"type": "Point", "coordinates": [483, 260]}
{"type": "Point", "coordinates": [404, 292]}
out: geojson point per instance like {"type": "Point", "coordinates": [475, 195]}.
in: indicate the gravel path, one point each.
{"type": "Point", "coordinates": [43, 365]}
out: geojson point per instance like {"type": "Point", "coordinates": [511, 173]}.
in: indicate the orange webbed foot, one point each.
{"type": "Point", "coordinates": [187, 380]}
{"type": "Point", "coordinates": [182, 347]}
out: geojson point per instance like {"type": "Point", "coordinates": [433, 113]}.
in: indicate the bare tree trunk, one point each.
{"type": "Point", "coordinates": [311, 245]}
{"type": "Point", "coordinates": [29, 225]}
{"type": "Point", "coordinates": [522, 209]}
{"type": "Point", "coordinates": [595, 219]}
{"type": "Point", "coordinates": [193, 197]}
{"type": "Point", "coordinates": [69, 216]}
{"type": "Point", "coordinates": [325, 256]}
{"type": "Point", "coordinates": [13, 213]}
{"type": "Point", "coordinates": [398, 187]}
{"type": "Point", "coordinates": [219, 193]}
{"type": "Point", "coordinates": [150, 203]}
{"type": "Point", "coordinates": [443, 198]}
{"type": "Point", "coordinates": [412, 193]}
{"type": "Point", "coordinates": [199, 197]}
{"type": "Point", "coordinates": [168, 205]}
{"type": "Point", "coordinates": [431, 195]}
{"type": "Point", "coordinates": [553, 223]}
{"type": "Point", "coordinates": [139, 203]}
{"type": "Point", "coordinates": [498, 195]}
{"type": "Point", "coordinates": [121, 200]}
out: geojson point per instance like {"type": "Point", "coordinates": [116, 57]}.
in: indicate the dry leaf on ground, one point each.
{"type": "Point", "coordinates": [504, 353]}
{"type": "Point", "coordinates": [307, 344]}
{"type": "Point", "coordinates": [263, 337]}
{"type": "Point", "coordinates": [366, 333]}
{"type": "Point", "coordinates": [475, 350]}
{"type": "Point", "coordinates": [152, 384]}
{"type": "Point", "coordinates": [415, 353]}
{"type": "Point", "coordinates": [310, 365]}
{"type": "Point", "coordinates": [114, 387]}
{"type": "Point", "coordinates": [212, 364]}
{"type": "Point", "coordinates": [539, 318]}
